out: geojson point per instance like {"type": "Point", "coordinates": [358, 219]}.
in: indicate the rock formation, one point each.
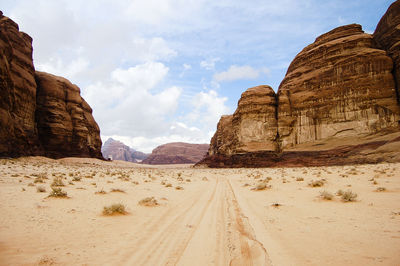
{"type": "Point", "coordinates": [337, 104]}
{"type": "Point", "coordinates": [117, 150]}
{"type": "Point", "coordinates": [18, 134]}
{"type": "Point", "coordinates": [177, 153]}
{"type": "Point", "coordinates": [40, 114]}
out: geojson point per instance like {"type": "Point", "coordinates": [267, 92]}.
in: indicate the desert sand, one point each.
{"type": "Point", "coordinates": [197, 216]}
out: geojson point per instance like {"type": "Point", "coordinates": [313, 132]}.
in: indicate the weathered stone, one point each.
{"type": "Point", "coordinates": [177, 153]}
{"type": "Point", "coordinates": [336, 105]}
{"type": "Point", "coordinates": [18, 135]}
{"type": "Point", "coordinates": [64, 119]}
{"type": "Point", "coordinates": [387, 36]}
{"type": "Point", "coordinates": [40, 114]}
{"type": "Point", "coordinates": [341, 85]}
{"type": "Point", "coordinates": [116, 150]}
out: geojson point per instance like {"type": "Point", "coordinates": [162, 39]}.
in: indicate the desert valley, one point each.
{"type": "Point", "coordinates": [306, 175]}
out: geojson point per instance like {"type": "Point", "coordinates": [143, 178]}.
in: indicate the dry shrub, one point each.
{"type": "Point", "coordinates": [299, 179]}
{"type": "Point", "coordinates": [148, 202]}
{"type": "Point", "coordinates": [100, 192]}
{"type": "Point", "coordinates": [316, 183]}
{"type": "Point", "coordinates": [349, 196]}
{"type": "Point", "coordinates": [57, 182]}
{"type": "Point", "coordinates": [115, 209]}
{"type": "Point", "coordinates": [41, 189]}
{"type": "Point", "coordinates": [117, 190]}
{"type": "Point", "coordinates": [261, 186]}
{"type": "Point", "coordinates": [380, 189]}
{"type": "Point", "coordinates": [58, 193]}
{"type": "Point", "coordinates": [179, 188]}
{"type": "Point", "coordinates": [326, 195]}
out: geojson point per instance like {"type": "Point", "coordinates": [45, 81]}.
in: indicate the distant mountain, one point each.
{"type": "Point", "coordinates": [116, 150]}
{"type": "Point", "coordinates": [177, 153]}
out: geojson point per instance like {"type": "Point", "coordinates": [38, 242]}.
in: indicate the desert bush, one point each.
{"type": "Point", "coordinates": [57, 182]}
{"type": "Point", "coordinates": [117, 190]}
{"type": "Point", "coordinates": [339, 192]}
{"type": "Point", "coordinates": [348, 196]}
{"type": "Point", "coordinates": [380, 189]}
{"type": "Point", "coordinates": [40, 189]}
{"type": "Point", "coordinates": [326, 195]}
{"type": "Point", "coordinates": [57, 193]}
{"type": "Point", "coordinates": [204, 178]}
{"type": "Point", "coordinates": [148, 202]}
{"type": "Point", "coordinates": [261, 186]}
{"type": "Point", "coordinates": [179, 188]}
{"type": "Point", "coordinates": [168, 185]}
{"type": "Point", "coordinates": [299, 179]}
{"type": "Point", "coordinates": [100, 192]}
{"type": "Point", "coordinates": [114, 209]}
{"type": "Point", "coordinates": [316, 183]}
{"type": "Point", "coordinates": [38, 180]}
{"type": "Point", "coordinates": [76, 178]}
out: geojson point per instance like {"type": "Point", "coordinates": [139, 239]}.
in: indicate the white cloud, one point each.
{"type": "Point", "coordinates": [209, 64]}
{"type": "Point", "coordinates": [56, 66]}
{"type": "Point", "coordinates": [208, 107]}
{"type": "Point", "coordinates": [127, 105]}
{"type": "Point", "coordinates": [187, 66]}
{"type": "Point", "coordinates": [239, 72]}
{"type": "Point", "coordinates": [152, 49]}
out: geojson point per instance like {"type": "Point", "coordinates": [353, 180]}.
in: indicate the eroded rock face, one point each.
{"type": "Point", "coordinates": [18, 134]}
{"type": "Point", "coordinates": [337, 105]}
{"type": "Point", "coordinates": [339, 86]}
{"type": "Point", "coordinates": [116, 150]}
{"type": "Point", "coordinates": [40, 114]}
{"type": "Point", "coordinates": [387, 36]}
{"type": "Point", "coordinates": [64, 119]}
{"type": "Point", "coordinates": [177, 153]}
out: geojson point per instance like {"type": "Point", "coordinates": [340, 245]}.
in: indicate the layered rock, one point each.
{"type": "Point", "coordinates": [64, 119]}
{"type": "Point", "coordinates": [116, 150]}
{"type": "Point", "coordinates": [338, 104]}
{"type": "Point", "coordinates": [387, 36]}
{"type": "Point", "coordinates": [18, 134]}
{"type": "Point", "coordinates": [341, 85]}
{"type": "Point", "coordinates": [40, 114]}
{"type": "Point", "coordinates": [177, 153]}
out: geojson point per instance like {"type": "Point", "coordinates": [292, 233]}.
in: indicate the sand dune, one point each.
{"type": "Point", "coordinates": [215, 217]}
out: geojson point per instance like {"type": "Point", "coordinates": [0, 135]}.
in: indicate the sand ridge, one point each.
{"type": "Point", "coordinates": [202, 216]}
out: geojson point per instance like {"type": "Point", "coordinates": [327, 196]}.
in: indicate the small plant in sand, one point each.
{"type": "Point", "coordinates": [41, 189]}
{"type": "Point", "coordinates": [38, 180]}
{"type": "Point", "coordinates": [115, 209]}
{"type": "Point", "coordinates": [179, 188]}
{"type": "Point", "coordinates": [117, 190]}
{"type": "Point", "coordinates": [349, 196]}
{"type": "Point", "coordinates": [261, 186]}
{"type": "Point", "coordinates": [76, 178]}
{"type": "Point", "coordinates": [188, 180]}
{"type": "Point", "coordinates": [57, 182]}
{"type": "Point", "coordinates": [299, 179]}
{"type": "Point", "coordinates": [204, 178]}
{"type": "Point", "coordinates": [148, 202]}
{"type": "Point", "coordinates": [380, 189]}
{"type": "Point", "coordinates": [58, 193]}
{"type": "Point", "coordinates": [339, 192]}
{"type": "Point", "coordinates": [326, 195]}
{"type": "Point", "coordinates": [316, 183]}
{"type": "Point", "coordinates": [100, 192]}
{"type": "Point", "coordinates": [168, 185]}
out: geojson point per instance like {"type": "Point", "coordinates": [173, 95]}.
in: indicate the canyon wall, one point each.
{"type": "Point", "coordinates": [337, 104]}
{"type": "Point", "coordinates": [40, 114]}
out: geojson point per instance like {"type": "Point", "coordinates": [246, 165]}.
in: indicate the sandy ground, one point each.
{"type": "Point", "coordinates": [217, 218]}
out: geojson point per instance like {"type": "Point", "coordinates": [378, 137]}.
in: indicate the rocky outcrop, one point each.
{"type": "Point", "coordinates": [177, 153]}
{"type": "Point", "coordinates": [337, 104]}
{"type": "Point", "coordinates": [387, 36]}
{"type": "Point", "coordinates": [341, 85]}
{"type": "Point", "coordinates": [64, 119]}
{"type": "Point", "coordinates": [40, 114]}
{"type": "Point", "coordinates": [116, 150]}
{"type": "Point", "coordinates": [18, 134]}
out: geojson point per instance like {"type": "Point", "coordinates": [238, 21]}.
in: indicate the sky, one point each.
{"type": "Point", "coordinates": [160, 71]}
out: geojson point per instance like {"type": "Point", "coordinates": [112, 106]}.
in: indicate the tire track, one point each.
{"type": "Point", "coordinates": [167, 237]}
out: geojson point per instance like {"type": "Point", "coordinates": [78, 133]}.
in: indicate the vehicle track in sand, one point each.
{"type": "Point", "coordinates": [204, 228]}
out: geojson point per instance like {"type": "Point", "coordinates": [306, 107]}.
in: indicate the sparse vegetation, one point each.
{"type": "Point", "coordinates": [299, 179]}
{"type": "Point", "coordinates": [117, 190]}
{"type": "Point", "coordinates": [76, 178]}
{"type": "Point", "coordinates": [316, 183]}
{"type": "Point", "coordinates": [179, 188]}
{"type": "Point", "coordinates": [115, 209]}
{"type": "Point", "coordinates": [380, 189]}
{"type": "Point", "coordinates": [57, 193]}
{"type": "Point", "coordinates": [57, 182]}
{"type": "Point", "coordinates": [349, 196]}
{"type": "Point", "coordinates": [326, 195]}
{"type": "Point", "coordinates": [148, 202]}
{"type": "Point", "coordinates": [41, 189]}
{"type": "Point", "coordinates": [261, 186]}
{"type": "Point", "coordinates": [100, 192]}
